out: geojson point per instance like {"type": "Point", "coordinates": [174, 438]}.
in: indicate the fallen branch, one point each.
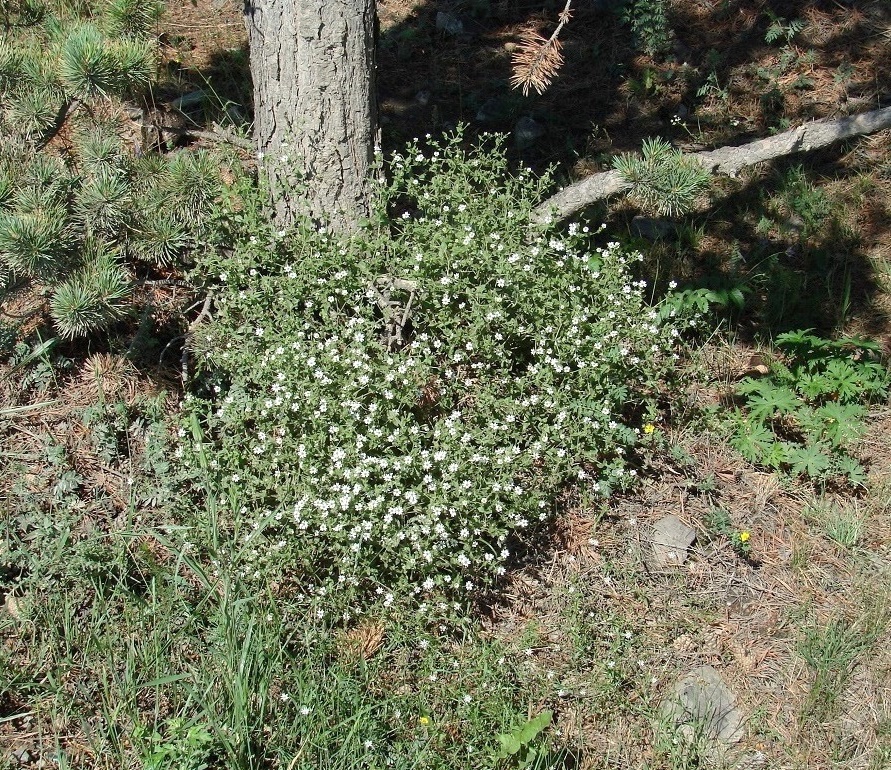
{"type": "Point", "coordinates": [725, 160]}
{"type": "Point", "coordinates": [219, 135]}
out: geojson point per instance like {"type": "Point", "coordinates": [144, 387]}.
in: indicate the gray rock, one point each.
{"type": "Point", "coordinates": [701, 706]}
{"type": "Point", "coordinates": [492, 111]}
{"type": "Point", "coordinates": [449, 23]}
{"type": "Point", "coordinates": [651, 228]}
{"type": "Point", "coordinates": [189, 101]}
{"type": "Point", "coordinates": [754, 760]}
{"type": "Point", "coordinates": [671, 539]}
{"type": "Point", "coordinates": [526, 131]}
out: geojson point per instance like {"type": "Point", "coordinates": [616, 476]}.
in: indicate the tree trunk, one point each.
{"type": "Point", "coordinates": [315, 116]}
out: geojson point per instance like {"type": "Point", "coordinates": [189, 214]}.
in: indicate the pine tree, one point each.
{"type": "Point", "coordinates": [74, 215]}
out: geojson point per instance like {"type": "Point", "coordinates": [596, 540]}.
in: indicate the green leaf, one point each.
{"type": "Point", "coordinates": [777, 454]}
{"type": "Point", "coordinates": [814, 386]}
{"type": "Point", "coordinates": [751, 438]}
{"type": "Point", "coordinates": [737, 298]}
{"type": "Point", "coordinates": [842, 377]}
{"type": "Point", "coordinates": [513, 743]}
{"type": "Point", "coordinates": [841, 423]}
{"type": "Point", "coordinates": [852, 469]}
{"type": "Point", "coordinates": [764, 399]}
{"type": "Point", "coordinates": [812, 460]}
{"type": "Point", "coordinates": [534, 726]}
{"type": "Point", "coordinates": [801, 343]}
{"type": "Point", "coordinates": [510, 745]}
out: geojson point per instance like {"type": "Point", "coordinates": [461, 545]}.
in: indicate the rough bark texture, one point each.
{"type": "Point", "coordinates": [726, 160]}
{"type": "Point", "coordinates": [315, 117]}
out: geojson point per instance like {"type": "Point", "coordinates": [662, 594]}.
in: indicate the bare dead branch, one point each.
{"type": "Point", "coordinates": [725, 160]}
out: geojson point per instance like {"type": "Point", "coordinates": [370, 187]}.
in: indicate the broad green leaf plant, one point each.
{"type": "Point", "coordinates": [805, 416]}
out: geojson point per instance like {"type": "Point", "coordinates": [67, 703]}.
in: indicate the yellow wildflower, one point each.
{"type": "Point", "coordinates": [744, 536]}
{"type": "Point", "coordinates": [424, 720]}
{"type": "Point", "coordinates": [649, 428]}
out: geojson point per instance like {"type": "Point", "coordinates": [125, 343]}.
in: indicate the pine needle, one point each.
{"type": "Point", "coordinates": [535, 62]}
{"type": "Point", "coordinates": [538, 59]}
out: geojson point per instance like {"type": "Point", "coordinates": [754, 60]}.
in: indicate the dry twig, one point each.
{"type": "Point", "coordinates": [538, 59]}
{"type": "Point", "coordinates": [725, 160]}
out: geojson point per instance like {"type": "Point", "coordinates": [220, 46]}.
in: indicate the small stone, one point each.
{"type": "Point", "coordinates": [702, 706]}
{"type": "Point", "coordinates": [189, 101]}
{"type": "Point", "coordinates": [449, 23]}
{"type": "Point", "coordinates": [22, 756]}
{"type": "Point", "coordinates": [671, 539]}
{"type": "Point", "coordinates": [526, 131]}
{"type": "Point", "coordinates": [492, 111]}
{"type": "Point", "coordinates": [650, 228]}
{"type": "Point", "coordinates": [13, 607]}
{"type": "Point", "coordinates": [752, 761]}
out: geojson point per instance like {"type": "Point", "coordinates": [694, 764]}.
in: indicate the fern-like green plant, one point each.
{"type": "Point", "coordinates": [803, 417]}
{"type": "Point", "coordinates": [780, 29]}
{"type": "Point", "coordinates": [662, 179]}
{"type": "Point", "coordinates": [650, 29]}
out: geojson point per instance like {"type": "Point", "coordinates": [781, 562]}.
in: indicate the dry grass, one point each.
{"type": "Point", "coordinates": [745, 619]}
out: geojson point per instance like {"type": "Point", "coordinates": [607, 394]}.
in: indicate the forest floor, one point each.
{"type": "Point", "coordinates": [798, 623]}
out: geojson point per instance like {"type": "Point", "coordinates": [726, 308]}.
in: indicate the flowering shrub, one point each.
{"type": "Point", "coordinates": [388, 415]}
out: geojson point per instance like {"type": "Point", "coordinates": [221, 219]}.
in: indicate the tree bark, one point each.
{"type": "Point", "coordinates": [726, 160]}
{"type": "Point", "coordinates": [315, 117]}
